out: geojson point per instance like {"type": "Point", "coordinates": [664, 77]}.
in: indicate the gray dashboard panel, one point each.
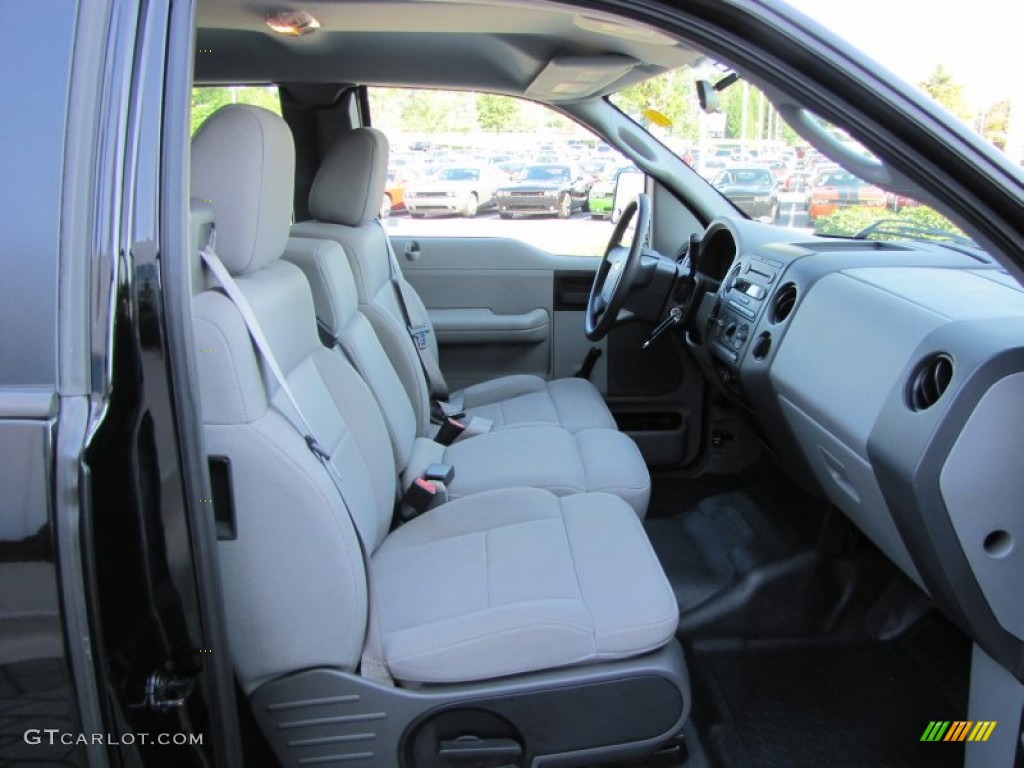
{"type": "Point", "coordinates": [850, 483]}
{"type": "Point", "coordinates": [845, 349]}
{"type": "Point", "coordinates": [983, 489]}
{"type": "Point", "coordinates": [847, 355]}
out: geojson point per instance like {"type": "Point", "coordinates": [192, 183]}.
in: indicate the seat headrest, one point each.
{"type": "Point", "coordinates": [243, 163]}
{"type": "Point", "coordinates": [349, 186]}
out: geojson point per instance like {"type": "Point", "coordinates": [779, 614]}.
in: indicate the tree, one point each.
{"type": "Point", "coordinates": [672, 94]}
{"type": "Point", "coordinates": [207, 100]}
{"type": "Point", "coordinates": [994, 122]}
{"type": "Point", "coordinates": [425, 112]}
{"type": "Point", "coordinates": [497, 113]}
{"type": "Point", "coordinates": [947, 92]}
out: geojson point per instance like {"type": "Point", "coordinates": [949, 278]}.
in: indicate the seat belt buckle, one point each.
{"type": "Point", "coordinates": [417, 499]}
{"type": "Point", "coordinates": [418, 334]}
{"type": "Point", "coordinates": [449, 431]}
{"type": "Point", "coordinates": [440, 411]}
{"type": "Point", "coordinates": [439, 473]}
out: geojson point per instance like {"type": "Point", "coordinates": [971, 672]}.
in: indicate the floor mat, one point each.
{"type": "Point", "coordinates": [838, 707]}
{"type": "Point", "coordinates": [709, 545]}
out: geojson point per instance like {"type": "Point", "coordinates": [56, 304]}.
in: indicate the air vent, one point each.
{"type": "Point", "coordinates": [762, 346]}
{"type": "Point", "coordinates": [929, 381]}
{"type": "Point", "coordinates": [731, 280]}
{"type": "Point", "coordinates": [784, 302]}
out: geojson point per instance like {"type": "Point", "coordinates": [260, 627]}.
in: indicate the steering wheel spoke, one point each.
{"type": "Point", "coordinates": [618, 270]}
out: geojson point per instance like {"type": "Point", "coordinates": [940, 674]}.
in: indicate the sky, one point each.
{"type": "Point", "coordinates": [979, 41]}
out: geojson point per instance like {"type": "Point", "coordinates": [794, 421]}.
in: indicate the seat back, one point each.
{"type": "Point", "coordinates": [344, 201]}
{"type": "Point", "coordinates": [336, 303]}
{"type": "Point", "coordinates": [294, 586]}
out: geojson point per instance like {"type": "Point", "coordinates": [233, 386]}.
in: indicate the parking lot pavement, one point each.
{"type": "Point", "coordinates": [793, 215]}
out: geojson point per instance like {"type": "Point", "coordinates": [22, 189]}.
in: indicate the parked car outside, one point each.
{"type": "Point", "coordinates": [601, 200]}
{"type": "Point", "coordinates": [841, 189]}
{"type": "Point", "coordinates": [791, 196]}
{"type": "Point", "coordinates": [460, 190]}
{"type": "Point", "coordinates": [749, 188]}
{"type": "Point", "coordinates": [545, 189]}
{"type": "Point", "coordinates": [897, 203]}
{"type": "Point", "coordinates": [394, 192]}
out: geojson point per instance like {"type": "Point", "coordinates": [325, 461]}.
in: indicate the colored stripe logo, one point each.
{"type": "Point", "coordinates": [958, 730]}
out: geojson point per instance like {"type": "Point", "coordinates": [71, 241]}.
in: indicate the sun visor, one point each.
{"type": "Point", "coordinates": [570, 78]}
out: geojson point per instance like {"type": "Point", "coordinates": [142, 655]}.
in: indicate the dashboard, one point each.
{"type": "Point", "coordinates": [887, 377]}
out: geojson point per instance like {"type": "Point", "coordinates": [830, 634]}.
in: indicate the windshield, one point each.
{"type": "Point", "coordinates": [459, 174]}
{"type": "Point", "coordinates": [546, 173]}
{"type": "Point", "coordinates": [751, 156]}
{"type": "Point", "coordinates": [750, 177]}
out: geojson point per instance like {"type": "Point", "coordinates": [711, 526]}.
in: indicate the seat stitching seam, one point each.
{"type": "Point", "coordinates": [554, 406]}
{"type": "Point", "coordinates": [482, 636]}
{"type": "Point", "coordinates": [356, 641]}
{"type": "Point", "coordinates": [487, 566]}
{"type": "Point", "coordinates": [234, 370]}
{"type": "Point", "coordinates": [330, 294]}
{"type": "Point", "coordinates": [410, 547]}
{"type": "Point", "coordinates": [576, 576]}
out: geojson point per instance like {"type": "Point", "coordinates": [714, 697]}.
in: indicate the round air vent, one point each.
{"type": "Point", "coordinates": [929, 381]}
{"type": "Point", "coordinates": [784, 302]}
{"type": "Point", "coordinates": [731, 280]}
{"type": "Point", "coordinates": [762, 346]}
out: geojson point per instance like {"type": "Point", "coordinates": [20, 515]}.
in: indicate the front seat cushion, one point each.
{"type": "Point", "coordinates": [540, 456]}
{"type": "Point", "coordinates": [513, 581]}
{"type": "Point", "coordinates": [574, 404]}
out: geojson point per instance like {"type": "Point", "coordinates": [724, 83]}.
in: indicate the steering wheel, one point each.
{"type": "Point", "coordinates": [618, 270]}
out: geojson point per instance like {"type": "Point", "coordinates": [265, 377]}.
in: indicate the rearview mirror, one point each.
{"type": "Point", "coordinates": [707, 92]}
{"type": "Point", "coordinates": [707, 96]}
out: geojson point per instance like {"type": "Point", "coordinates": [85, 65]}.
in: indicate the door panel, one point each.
{"type": "Point", "coordinates": [503, 307]}
{"type": "Point", "coordinates": [481, 326]}
{"type": "Point", "coordinates": [491, 301]}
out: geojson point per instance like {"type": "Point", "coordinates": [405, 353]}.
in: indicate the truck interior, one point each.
{"type": "Point", "coordinates": [787, 531]}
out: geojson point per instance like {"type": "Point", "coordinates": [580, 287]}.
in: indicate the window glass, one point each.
{"type": "Point", "coordinates": [484, 165]}
{"type": "Point", "coordinates": [749, 154]}
{"type": "Point", "coordinates": [208, 99]}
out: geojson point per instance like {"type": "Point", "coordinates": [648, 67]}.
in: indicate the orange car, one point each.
{"type": "Point", "coordinates": [394, 191]}
{"type": "Point", "coordinates": [840, 189]}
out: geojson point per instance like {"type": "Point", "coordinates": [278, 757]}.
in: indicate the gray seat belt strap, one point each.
{"type": "Point", "coordinates": [294, 415]}
{"type": "Point", "coordinates": [377, 668]}
{"type": "Point", "coordinates": [418, 331]}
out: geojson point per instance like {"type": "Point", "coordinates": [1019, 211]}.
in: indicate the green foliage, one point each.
{"type": "Point", "coordinates": [439, 111]}
{"type": "Point", "coordinates": [671, 93]}
{"type": "Point", "coordinates": [994, 123]}
{"type": "Point", "coordinates": [409, 110]}
{"type": "Point", "coordinates": [497, 113]}
{"type": "Point", "coordinates": [207, 100]}
{"type": "Point", "coordinates": [847, 222]}
{"type": "Point", "coordinates": [947, 92]}
{"type": "Point", "coordinates": [928, 218]}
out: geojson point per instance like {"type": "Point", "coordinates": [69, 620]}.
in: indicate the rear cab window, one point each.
{"type": "Point", "coordinates": [207, 99]}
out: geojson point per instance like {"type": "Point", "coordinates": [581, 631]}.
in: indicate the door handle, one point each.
{"type": "Point", "coordinates": [411, 250]}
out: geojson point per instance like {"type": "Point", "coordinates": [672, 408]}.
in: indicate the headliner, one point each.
{"type": "Point", "coordinates": [467, 44]}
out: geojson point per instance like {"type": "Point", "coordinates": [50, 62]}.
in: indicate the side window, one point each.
{"type": "Point", "coordinates": [483, 165]}
{"type": "Point", "coordinates": [208, 99]}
